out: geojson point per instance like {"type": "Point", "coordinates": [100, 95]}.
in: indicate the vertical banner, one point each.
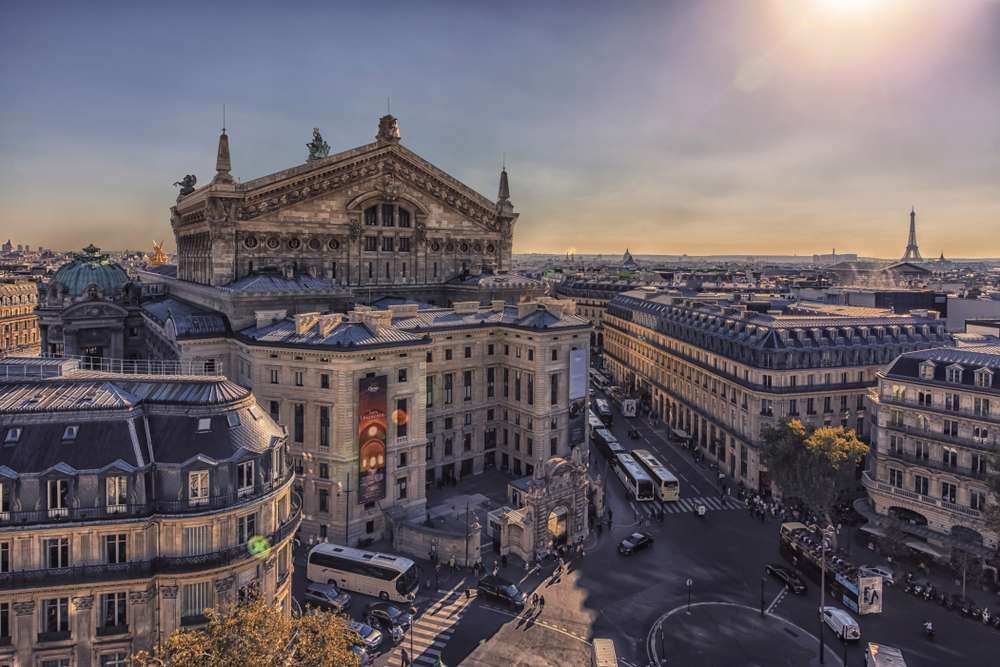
{"type": "Point", "coordinates": [371, 439]}
{"type": "Point", "coordinates": [870, 600]}
{"type": "Point", "coordinates": [578, 376]}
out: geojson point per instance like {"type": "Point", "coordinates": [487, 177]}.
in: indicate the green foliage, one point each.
{"type": "Point", "coordinates": [810, 463]}
{"type": "Point", "coordinates": [257, 635]}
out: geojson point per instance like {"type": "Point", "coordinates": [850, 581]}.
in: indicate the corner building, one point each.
{"type": "Point", "coordinates": [129, 505]}
{"type": "Point", "coordinates": [938, 417]}
{"type": "Point", "coordinates": [718, 369]}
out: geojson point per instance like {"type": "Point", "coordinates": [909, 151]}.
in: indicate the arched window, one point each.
{"type": "Point", "coordinates": [371, 215]}
{"type": "Point", "coordinates": [404, 218]}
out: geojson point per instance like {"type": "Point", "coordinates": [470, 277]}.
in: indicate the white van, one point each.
{"type": "Point", "coordinates": [880, 655]}
{"type": "Point", "coordinates": [842, 624]}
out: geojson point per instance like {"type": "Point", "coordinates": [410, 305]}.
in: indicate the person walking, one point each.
{"type": "Point", "coordinates": [541, 602]}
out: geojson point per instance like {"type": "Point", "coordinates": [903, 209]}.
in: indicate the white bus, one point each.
{"type": "Point", "coordinates": [635, 479]}
{"type": "Point", "coordinates": [366, 572]}
{"type": "Point", "coordinates": [603, 411]}
{"type": "Point", "coordinates": [593, 421]}
{"type": "Point", "coordinates": [598, 379]}
{"type": "Point", "coordinates": [668, 489]}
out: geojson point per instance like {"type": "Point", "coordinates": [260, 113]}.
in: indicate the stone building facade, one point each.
{"type": "Point", "coordinates": [938, 433]}
{"type": "Point", "coordinates": [18, 320]}
{"type": "Point", "coordinates": [718, 371]}
{"type": "Point", "coordinates": [130, 504]}
{"type": "Point", "coordinates": [591, 297]}
{"type": "Point", "coordinates": [480, 388]}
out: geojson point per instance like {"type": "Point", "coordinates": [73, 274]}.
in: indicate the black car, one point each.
{"type": "Point", "coordinates": [389, 616]}
{"type": "Point", "coordinates": [787, 577]}
{"type": "Point", "coordinates": [501, 589]}
{"type": "Point", "coordinates": [634, 542]}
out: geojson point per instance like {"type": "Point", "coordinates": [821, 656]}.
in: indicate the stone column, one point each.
{"type": "Point", "coordinates": [23, 627]}
{"type": "Point", "coordinates": [140, 618]}
{"type": "Point", "coordinates": [169, 612]}
{"type": "Point", "coordinates": [83, 628]}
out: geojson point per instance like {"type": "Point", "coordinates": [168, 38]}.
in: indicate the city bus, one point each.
{"type": "Point", "coordinates": [607, 444]}
{"type": "Point", "coordinates": [593, 421]}
{"type": "Point", "coordinates": [366, 572]}
{"type": "Point", "coordinates": [603, 410]}
{"type": "Point", "coordinates": [668, 489]}
{"type": "Point", "coordinates": [597, 378]}
{"type": "Point", "coordinates": [634, 478]}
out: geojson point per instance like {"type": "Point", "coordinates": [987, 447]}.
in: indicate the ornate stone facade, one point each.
{"type": "Point", "coordinates": [18, 322]}
{"type": "Point", "coordinates": [374, 215]}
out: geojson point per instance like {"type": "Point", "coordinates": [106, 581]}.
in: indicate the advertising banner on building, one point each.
{"type": "Point", "coordinates": [371, 439]}
{"type": "Point", "coordinates": [870, 601]}
{"type": "Point", "coordinates": [578, 374]}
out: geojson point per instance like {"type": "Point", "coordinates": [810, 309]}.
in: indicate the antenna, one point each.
{"type": "Point", "coordinates": [223, 118]}
{"type": "Point", "coordinates": [503, 161]}
{"type": "Point", "coordinates": [388, 107]}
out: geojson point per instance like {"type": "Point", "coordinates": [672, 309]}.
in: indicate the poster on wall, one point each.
{"type": "Point", "coordinates": [578, 373]}
{"type": "Point", "coordinates": [371, 439]}
{"type": "Point", "coordinates": [870, 599]}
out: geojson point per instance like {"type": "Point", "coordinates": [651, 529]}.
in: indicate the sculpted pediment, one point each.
{"type": "Point", "coordinates": [390, 173]}
{"type": "Point", "coordinates": [89, 310]}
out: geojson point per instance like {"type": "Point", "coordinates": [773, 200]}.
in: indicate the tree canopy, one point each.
{"type": "Point", "coordinates": [257, 634]}
{"type": "Point", "coordinates": [814, 464]}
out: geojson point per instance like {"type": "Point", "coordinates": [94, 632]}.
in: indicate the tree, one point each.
{"type": "Point", "coordinates": [257, 634]}
{"type": "Point", "coordinates": [813, 464]}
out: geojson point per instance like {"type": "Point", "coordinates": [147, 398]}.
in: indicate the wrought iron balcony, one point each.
{"type": "Point", "coordinates": [933, 464]}
{"type": "Point", "coordinates": [86, 574]}
{"type": "Point", "coordinates": [882, 487]}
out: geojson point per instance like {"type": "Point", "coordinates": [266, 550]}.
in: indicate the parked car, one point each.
{"type": "Point", "coordinates": [787, 577]}
{"type": "Point", "coordinates": [369, 636]}
{"type": "Point", "coordinates": [634, 542]}
{"type": "Point", "coordinates": [389, 617]}
{"type": "Point", "coordinates": [878, 571]}
{"type": "Point", "coordinates": [327, 596]}
{"type": "Point", "coordinates": [843, 624]}
{"type": "Point", "coordinates": [501, 589]}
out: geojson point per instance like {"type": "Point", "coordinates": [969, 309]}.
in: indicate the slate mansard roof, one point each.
{"type": "Point", "coordinates": [795, 327]}
{"type": "Point", "coordinates": [971, 359]}
{"type": "Point", "coordinates": [88, 421]}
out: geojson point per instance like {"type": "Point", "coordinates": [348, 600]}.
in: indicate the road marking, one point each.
{"type": "Point", "coordinates": [536, 622]}
{"type": "Point", "coordinates": [777, 598]}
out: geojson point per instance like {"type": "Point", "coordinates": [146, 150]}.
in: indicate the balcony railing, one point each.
{"type": "Point", "coordinates": [934, 464]}
{"type": "Point", "coordinates": [927, 434]}
{"type": "Point", "coordinates": [55, 636]}
{"type": "Point", "coordinates": [943, 411]}
{"type": "Point", "coordinates": [85, 574]}
{"type": "Point", "coordinates": [109, 630]}
{"type": "Point", "coordinates": [143, 510]}
{"type": "Point", "coordinates": [930, 501]}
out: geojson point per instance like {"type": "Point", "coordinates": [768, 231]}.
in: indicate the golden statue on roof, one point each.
{"type": "Point", "coordinates": [159, 257]}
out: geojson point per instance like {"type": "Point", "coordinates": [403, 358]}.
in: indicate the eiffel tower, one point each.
{"type": "Point", "coordinates": [912, 253]}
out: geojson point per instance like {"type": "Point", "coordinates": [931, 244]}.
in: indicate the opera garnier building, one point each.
{"type": "Point", "coordinates": [128, 505]}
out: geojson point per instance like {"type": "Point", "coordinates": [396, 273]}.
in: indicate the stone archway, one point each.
{"type": "Point", "coordinates": [907, 515]}
{"type": "Point", "coordinates": [558, 526]}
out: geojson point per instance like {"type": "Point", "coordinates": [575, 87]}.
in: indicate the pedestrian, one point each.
{"type": "Point", "coordinates": [541, 601]}
{"type": "Point", "coordinates": [503, 560]}
{"type": "Point", "coordinates": [534, 600]}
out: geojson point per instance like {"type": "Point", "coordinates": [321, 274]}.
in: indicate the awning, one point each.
{"type": "Point", "coordinates": [874, 530]}
{"type": "Point", "coordinates": [926, 548]}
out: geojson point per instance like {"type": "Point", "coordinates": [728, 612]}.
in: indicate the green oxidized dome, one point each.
{"type": "Point", "coordinates": [91, 268]}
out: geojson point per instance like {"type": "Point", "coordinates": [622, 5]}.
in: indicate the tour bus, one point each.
{"type": "Point", "coordinates": [604, 653]}
{"type": "Point", "coordinates": [627, 406]}
{"type": "Point", "coordinates": [593, 421]}
{"type": "Point", "coordinates": [665, 483]}
{"type": "Point", "coordinates": [607, 444]}
{"type": "Point", "coordinates": [603, 410]}
{"type": "Point", "coordinates": [635, 479]}
{"type": "Point", "coordinates": [366, 572]}
{"type": "Point", "coordinates": [598, 379]}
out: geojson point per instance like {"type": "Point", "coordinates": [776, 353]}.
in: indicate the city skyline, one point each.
{"type": "Point", "coordinates": [700, 129]}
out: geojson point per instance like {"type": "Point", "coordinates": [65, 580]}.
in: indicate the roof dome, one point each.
{"type": "Point", "coordinates": [91, 268]}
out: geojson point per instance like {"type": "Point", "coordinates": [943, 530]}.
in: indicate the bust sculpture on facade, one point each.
{"type": "Point", "coordinates": [318, 148]}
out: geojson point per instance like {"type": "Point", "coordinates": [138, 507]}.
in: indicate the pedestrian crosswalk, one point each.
{"type": "Point", "coordinates": [431, 631]}
{"type": "Point", "coordinates": [712, 503]}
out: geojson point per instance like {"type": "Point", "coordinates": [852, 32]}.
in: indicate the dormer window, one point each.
{"type": "Point", "coordinates": [13, 435]}
{"type": "Point", "coordinates": [984, 377]}
{"type": "Point", "coordinates": [954, 374]}
{"type": "Point", "coordinates": [69, 434]}
{"type": "Point", "coordinates": [204, 424]}
{"type": "Point", "coordinates": [927, 370]}
{"type": "Point", "coordinates": [244, 479]}
{"type": "Point", "coordinates": [58, 497]}
{"type": "Point", "coordinates": [198, 487]}
{"type": "Point", "coordinates": [116, 493]}
{"type": "Point", "coordinates": [233, 419]}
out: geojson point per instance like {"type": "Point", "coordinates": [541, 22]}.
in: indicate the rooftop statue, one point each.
{"type": "Point", "coordinates": [186, 184]}
{"type": "Point", "coordinates": [318, 149]}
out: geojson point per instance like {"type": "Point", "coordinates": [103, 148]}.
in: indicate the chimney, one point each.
{"type": "Point", "coordinates": [497, 305]}
{"type": "Point", "coordinates": [526, 308]}
{"type": "Point", "coordinates": [328, 323]}
{"type": "Point", "coordinates": [304, 322]}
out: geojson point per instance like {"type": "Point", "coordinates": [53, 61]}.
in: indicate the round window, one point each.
{"type": "Point", "coordinates": [250, 242]}
{"type": "Point", "coordinates": [273, 243]}
{"type": "Point", "coordinates": [490, 248]}
{"type": "Point", "coordinates": [465, 247]}
{"type": "Point", "coordinates": [294, 244]}
{"type": "Point", "coordinates": [478, 247]}
{"type": "Point", "coordinates": [449, 246]}
{"type": "Point", "coordinates": [314, 244]}
{"type": "Point", "coordinates": [333, 244]}
{"type": "Point", "coordinates": [435, 246]}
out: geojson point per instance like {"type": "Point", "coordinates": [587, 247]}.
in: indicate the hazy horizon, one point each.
{"type": "Point", "coordinates": [716, 127]}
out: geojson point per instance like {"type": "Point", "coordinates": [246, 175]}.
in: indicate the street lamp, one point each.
{"type": "Point", "coordinates": [827, 535]}
{"type": "Point", "coordinates": [347, 509]}
{"type": "Point", "coordinates": [689, 583]}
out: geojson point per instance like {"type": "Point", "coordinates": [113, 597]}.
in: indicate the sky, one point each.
{"type": "Point", "coordinates": [696, 126]}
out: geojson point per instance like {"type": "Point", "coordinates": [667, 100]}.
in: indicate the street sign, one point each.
{"type": "Point", "coordinates": [870, 601]}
